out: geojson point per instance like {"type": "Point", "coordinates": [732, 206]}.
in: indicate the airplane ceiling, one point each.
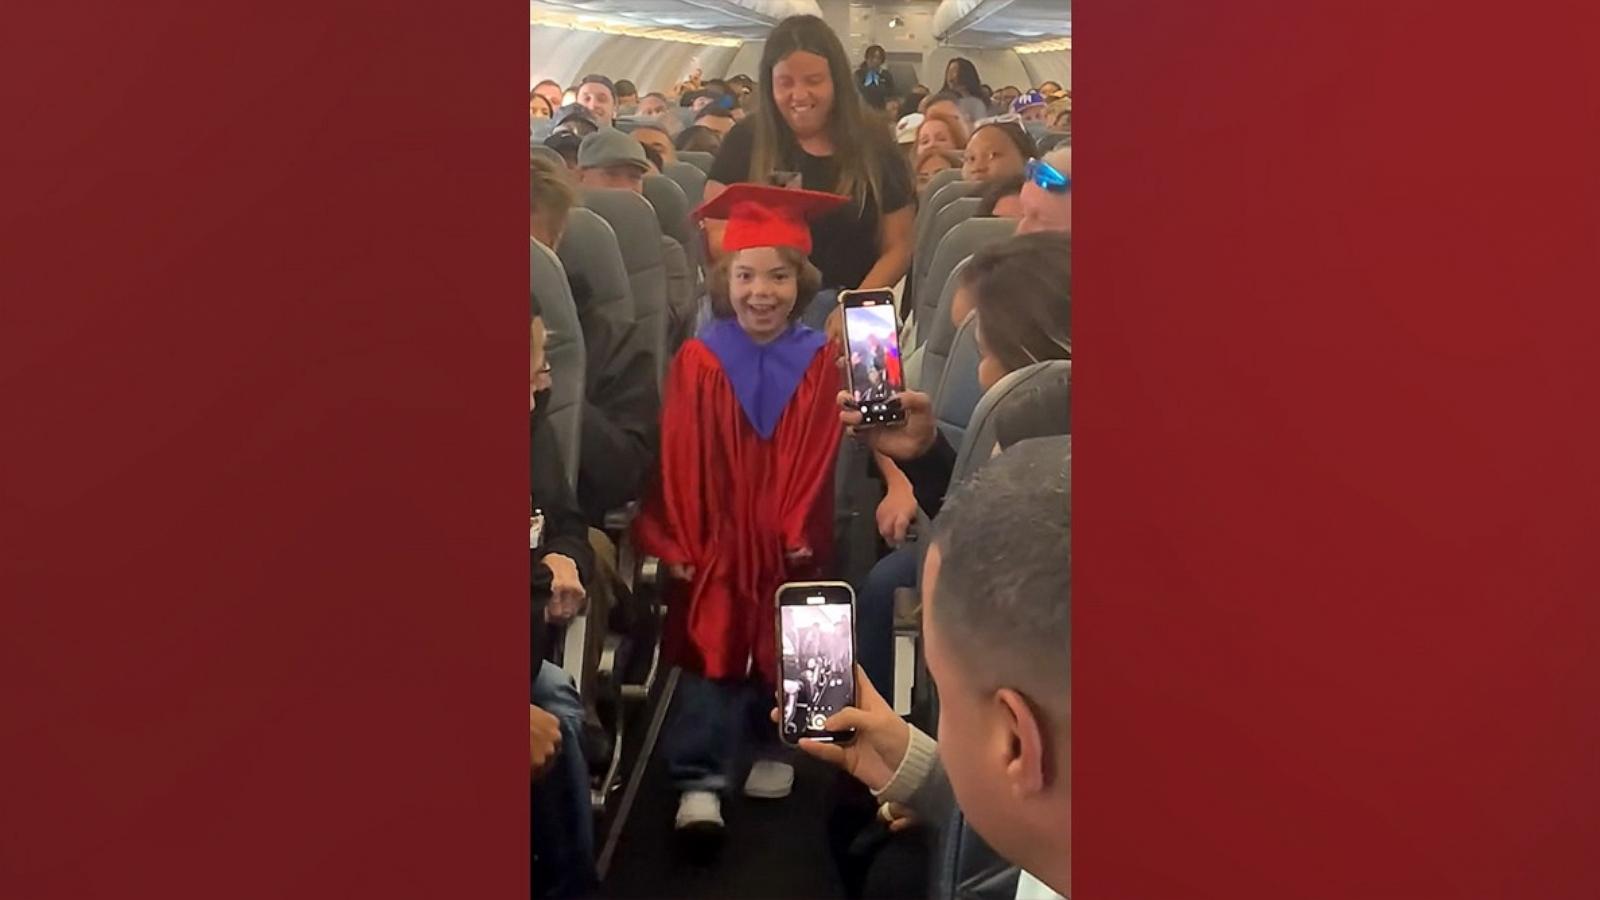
{"type": "Point", "coordinates": [747, 19]}
{"type": "Point", "coordinates": [1002, 23]}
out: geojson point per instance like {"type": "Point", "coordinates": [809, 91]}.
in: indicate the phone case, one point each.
{"type": "Point", "coordinates": [777, 635]}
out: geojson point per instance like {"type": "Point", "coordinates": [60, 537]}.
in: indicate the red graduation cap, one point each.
{"type": "Point", "coordinates": [762, 216]}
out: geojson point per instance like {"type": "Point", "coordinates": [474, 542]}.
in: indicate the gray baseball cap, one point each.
{"type": "Point", "coordinates": [609, 147]}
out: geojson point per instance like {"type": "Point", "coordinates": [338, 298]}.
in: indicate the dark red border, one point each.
{"type": "Point", "coordinates": [262, 462]}
{"type": "Point", "coordinates": [1336, 492]}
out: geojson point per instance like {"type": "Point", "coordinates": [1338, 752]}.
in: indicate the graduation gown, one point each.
{"type": "Point", "coordinates": [746, 475]}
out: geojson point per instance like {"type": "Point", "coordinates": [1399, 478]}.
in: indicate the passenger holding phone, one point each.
{"type": "Point", "coordinates": [743, 501]}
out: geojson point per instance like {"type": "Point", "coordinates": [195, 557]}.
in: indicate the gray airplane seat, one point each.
{"type": "Point", "coordinates": [639, 238]}
{"type": "Point", "coordinates": [957, 392]}
{"type": "Point", "coordinates": [939, 180]}
{"type": "Point", "coordinates": [681, 252]}
{"type": "Point", "coordinates": [923, 246]}
{"type": "Point", "coordinates": [671, 204]}
{"type": "Point", "coordinates": [689, 177]}
{"type": "Point", "coordinates": [565, 352]}
{"type": "Point", "coordinates": [549, 154]}
{"type": "Point", "coordinates": [935, 329]}
{"type": "Point", "coordinates": [1024, 390]}
{"type": "Point", "coordinates": [1053, 140]}
{"type": "Point", "coordinates": [698, 158]}
{"type": "Point", "coordinates": [589, 251]}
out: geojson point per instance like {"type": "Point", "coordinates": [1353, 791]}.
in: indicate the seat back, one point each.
{"type": "Point", "coordinates": [956, 394]}
{"type": "Point", "coordinates": [639, 237]}
{"type": "Point", "coordinates": [682, 296]}
{"type": "Point", "coordinates": [672, 211]}
{"type": "Point", "coordinates": [689, 177]}
{"type": "Point", "coordinates": [978, 444]}
{"type": "Point", "coordinates": [1053, 140]}
{"type": "Point", "coordinates": [589, 251]}
{"type": "Point", "coordinates": [935, 329]}
{"type": "Point", "coordinates": [565, 352]}
{"type": "Point", "coordinates": [698, 158]}
{"type": "Point", "coordinates": [547, 153]}
{"type": "Point", "coordinates": [939, 180]}
{"type": "Point", "coordinates": [924, 248]}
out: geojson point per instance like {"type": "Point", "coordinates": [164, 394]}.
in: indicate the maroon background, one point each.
{"type": "Point", "coordinates": [262, 461]}
{"type": "Point", "coordinates": [1337, 489]}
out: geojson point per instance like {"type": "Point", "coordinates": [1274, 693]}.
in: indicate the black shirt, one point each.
{"type": "Point", "coordinates": [844, 243]}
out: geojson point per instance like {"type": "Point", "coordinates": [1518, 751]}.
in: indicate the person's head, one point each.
{"type": "Point", "coordinates": [655, 137]}
{"type": "Point", "coordinates": [941, 131]}
{"type": "Point", "coordinates": [997, 631]}
{"type": "Point", "coordinates": [702, 100]}
{"type": "Point", "coordinates": [1022, 291]}
{"type": "Point", "coordinates": [550, 201]}
{"type": "Point", "coordinates": [875, 57]}
{"type": "Point", "coordinates": [934, 160]}
{"type": "Point", "coordinates": [657, 164]}
{"type": "Point", "coordinates": [715, 118]}
{"type": "Point", "coordinates": [538, 364]}
{"type": "Point", "coordinates": [627, 94]}
{"type": "Point", "coordinates": [1058, 115]}
{"type": "Point", "coordinates": [576, 118]}
{"type": "Point", "coordinates": [1007, 95]}
{"type": "Point", "coordinates": [566, 144]}
{"type": "Point", "coordinates": [611, 159]}
{"type": "Point", "coordinates": [764, 279]}
{"type": "Point", "coordinates": [1047, 206]}
{"type": "Point", "coordinates": [905, 131]}
{"type": "Point", "coordinates": [948, 105]}
{"type": "Point", "coordinates": [539, 107]}
{"type": "Point", "coordinates": [997, 150]}
{"type": "Point", "coordinates": [569, 96]}
{"type": "Point", "coordinates": [1030, 106]}
{"type": "Point", "coordinates": [961, 77]}
{"type": "Point", "coordinates": [1052, 89]}
{"type": "Point", "coordinates": [550, 91]}
{"type": "Point", "coordinates": [1002, 199]}
{"type": "Point", "coordinates": [700, 139]}
{"type": "Point", "coordinates": [599, 96]}
{"type": "Point", "coordinates": [653, 105]}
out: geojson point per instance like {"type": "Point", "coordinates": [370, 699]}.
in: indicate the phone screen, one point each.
{"type": "Point", "coordinates": [789, 180]}
{"type": "Point", "coordinates": [816, 626]}
{"type": "Point", "coordinates": [872, 334]}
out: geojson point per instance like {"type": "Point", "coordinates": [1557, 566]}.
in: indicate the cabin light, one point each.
{"type": "Point", "coordinates": [1046, 46]}
{"type": "Point", "coordinates": [607, 26]}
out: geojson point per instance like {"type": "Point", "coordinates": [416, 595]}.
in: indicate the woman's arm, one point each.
{"type": "Point", "coordinates": [895, 234]}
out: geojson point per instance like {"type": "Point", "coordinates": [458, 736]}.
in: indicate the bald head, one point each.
{"type": "Point", "coordinates": [1044, 210]}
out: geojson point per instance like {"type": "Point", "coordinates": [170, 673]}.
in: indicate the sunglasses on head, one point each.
{"type": "Point", "coordinates": [1007, 119]}
{"type": "Point", "coordinates": [1045, 175]}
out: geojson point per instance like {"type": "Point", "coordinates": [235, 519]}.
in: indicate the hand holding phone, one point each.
{"type": "Point", "coordinates": [872, 356]}
{"type": "Point", "coordinates": [881, 737]}
{"type": "Point", "coordinates": [816, 653]}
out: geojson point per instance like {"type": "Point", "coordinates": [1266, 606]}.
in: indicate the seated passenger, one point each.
{"type": "Point", "coordinates": [1004, 97]}
{"type": "Point", "coordinates": [934, 160]}
{"type": "Point", "coordinates": [539, 107]}
{"type": "Point", "coordinates": [654, 135]}
{"type": "Point", "coordinates": [717, 119]}
{"type": "Point", "coordinates": [743, 500]}
{"type": "Point", "coordinates": [1030, 107]}
{"type": "Point", "coordinates": [996, 626]}
{"type": "Point", "coordinates": [652, 104]}
{"type": "Point", "coordinates": [1046, 197]}
{"type": "Point", "coordinates": [599, 97]}
{"type": "Point", "coordinates": [1022, 289]}
{"type": "Point", "coordinates": [947, 103]}
{"type": "Point", "coordinates": [563, 826]}
{"type": "Point", "coordinates": [611, 159]}
{"type": "Point", "coordinates": [998, 148]}
{"type": "Point", "coordinates": [550, 91]}
{"type": "Point", "coordinates": [940, 130]}
{"type": "Point", "coordinates": [700, 139]}
{"type": "Point", "coordinates": [577, 119]}
{"type": "Point", "coordinates": [620, 406]}
{"type": "Point", "coordinates": [566, 143]}
{"type": "Point", "coordinates": [627, 97]}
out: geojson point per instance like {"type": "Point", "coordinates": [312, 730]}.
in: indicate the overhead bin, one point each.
{"type": "Point", "coordinates": [747, 19]}
{"type": "Point", "coordinates": [1002, 24]}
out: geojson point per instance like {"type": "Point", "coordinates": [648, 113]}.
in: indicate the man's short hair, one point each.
{"type": "Point", "coordinates": [600, 79]}
{"type": "Point", "coordinates": [1003, 593]}
{"type": "Point", "coordinates": [713, 112]}
{"type": "Point", "coordinates": [550, 194]}
{"type": "Point", "coordinates": [625, 88]}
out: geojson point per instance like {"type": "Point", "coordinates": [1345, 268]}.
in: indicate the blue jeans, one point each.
{"type": "Point", "coordinates": [875, 615]}
{"type": "Point", "coordinates": [714, 723]}
{"type": "Point", "coordinates": [563, 823]}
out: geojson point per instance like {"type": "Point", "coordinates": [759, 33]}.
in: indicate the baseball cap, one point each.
{"type": "Point", "coordinates": [611, 148]}
{"type": "Point", "coordinates": [573, 111]}
{"type": "Point", "coordinates": [1028, 99]}
{"type": "Point", "coordinates": [906, 131]}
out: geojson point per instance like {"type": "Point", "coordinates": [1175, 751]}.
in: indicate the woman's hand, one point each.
{"type": "Point", "coordinates": [896, 512]}
{"type": "Point", "coordinates": [567, 594]}
{"type": "Point", "coordinates": [902, 443]}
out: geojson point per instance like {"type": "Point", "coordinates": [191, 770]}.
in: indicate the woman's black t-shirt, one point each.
{"type": "Point", "coordinates": [844, 243]}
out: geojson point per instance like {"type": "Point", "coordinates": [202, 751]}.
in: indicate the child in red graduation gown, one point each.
{"type": "Point", "coordinates": [743, 501]}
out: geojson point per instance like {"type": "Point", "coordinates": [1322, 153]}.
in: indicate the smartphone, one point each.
{"type": "Point", "coordinates": [817, 658]}
{"type": "Point", "coordinates": [790, 180]}
{"type": "Point", "coordinates": [872, 344]}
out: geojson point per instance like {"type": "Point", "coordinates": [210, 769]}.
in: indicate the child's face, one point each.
{"type": "Point", "coordinates": [991, 156]}
{"type": "Point", "coordinates": [762, 289]}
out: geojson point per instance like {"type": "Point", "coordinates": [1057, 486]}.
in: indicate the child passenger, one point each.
{"type": "Point", "coordinates": [743, 500]}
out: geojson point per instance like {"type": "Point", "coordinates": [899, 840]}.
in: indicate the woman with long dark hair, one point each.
{"type": "Point", "coordinates": [961, 77]}
{"type": "Point", "coordinates": [813, 122]}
